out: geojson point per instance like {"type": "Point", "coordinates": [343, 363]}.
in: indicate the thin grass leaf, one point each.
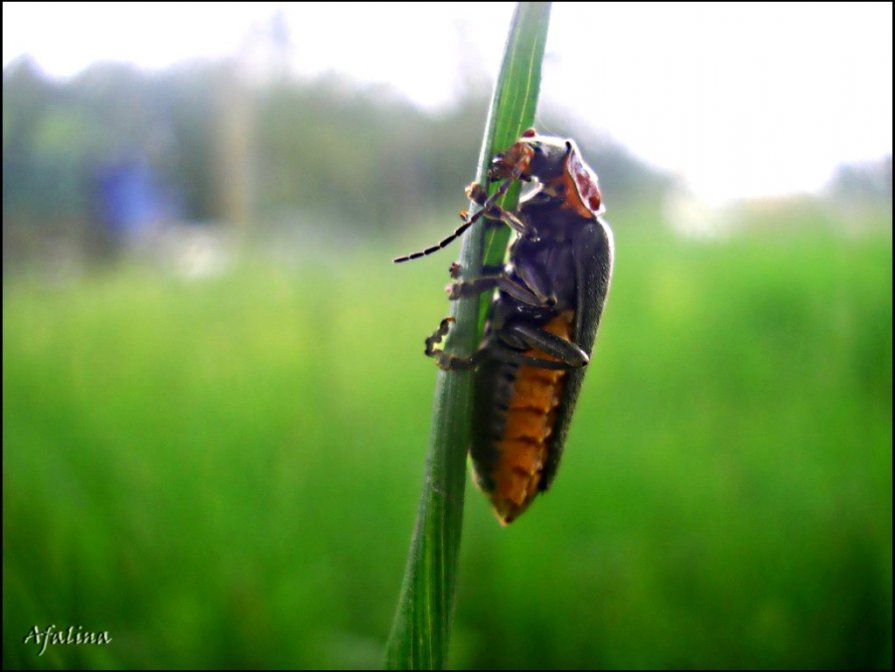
{"type": "Point", "coordinates": [421, 629]}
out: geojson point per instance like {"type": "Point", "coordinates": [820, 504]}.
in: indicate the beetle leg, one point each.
{"type": "Point", "coordinates": [533, 280]}
{"type": "Point", "coordinates": [517, 290]}
{"type": "Point", "coordinates": [496, 212]}
{"type": "Point", "coordinates": [446, 361]}
{"type": "Point", "coordinates": [455, 271]}
{"type": "Point", "coordinates": [496, 351]}
{"type": "Point", "coordinates": [568, 355]}
{"type": "Point", "coordinates": [457, 290]}
{"type": "Point", "coordinates": [437, 337]}
{"type": "Point", "coordinates": [522, 292]}
{"type": "Point", "coordinates": [490, 210]}
{"type": "Point", "coordinates": [504, 353]}
{"type": "Point", "coordinates": [565, 351]}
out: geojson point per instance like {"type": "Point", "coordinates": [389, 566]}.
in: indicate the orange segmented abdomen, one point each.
{"type": "Point", "coordinates": [530, 418]}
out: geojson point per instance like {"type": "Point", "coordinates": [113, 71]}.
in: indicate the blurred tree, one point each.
{"type": "Point", "coordinates": [867, 180]}
{"type": "Point", "coordinates": [227, 149]}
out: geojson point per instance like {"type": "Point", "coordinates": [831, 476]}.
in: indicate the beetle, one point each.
{"type": "Point", "coordinates": [543, 319]}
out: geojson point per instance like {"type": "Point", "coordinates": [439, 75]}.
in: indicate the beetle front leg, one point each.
{"type": "Point", "coordinates": [495, 212]}
{"type": "Point", "coordinates": [492, 211]}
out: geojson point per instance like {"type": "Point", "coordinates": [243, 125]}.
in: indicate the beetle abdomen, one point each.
{"type": "Point", "coordinates": [519, 451]}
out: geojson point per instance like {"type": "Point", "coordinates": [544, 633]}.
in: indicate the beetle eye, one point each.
{"type": "Point", "coordinates": [536, 146]}
{"type": "Point", "coordinates": [568, 145]}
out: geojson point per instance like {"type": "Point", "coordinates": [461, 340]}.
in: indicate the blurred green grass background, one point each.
{"type": "Point", "coordinates": [224, 472]}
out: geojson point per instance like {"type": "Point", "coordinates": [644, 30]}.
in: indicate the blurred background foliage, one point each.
{"type": "Point", "coordinates": [215, 149]}
{"type": "Point", "coordinates": [215, 399]}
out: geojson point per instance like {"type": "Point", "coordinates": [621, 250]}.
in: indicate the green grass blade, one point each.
{"type": "Point", "coordinates": [421, 629]}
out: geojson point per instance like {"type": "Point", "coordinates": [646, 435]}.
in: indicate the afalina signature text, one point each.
{"type": "Point", "coordinates": [73, 635]}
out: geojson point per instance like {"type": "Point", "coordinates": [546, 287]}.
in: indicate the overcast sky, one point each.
{"type": "Point", "coordinates": [739, 100]}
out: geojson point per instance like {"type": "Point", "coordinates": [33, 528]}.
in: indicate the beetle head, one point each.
{"type": "Point", "coordinates": [534, 155]}
{"type": "Point", "coordinates": [557, 164]}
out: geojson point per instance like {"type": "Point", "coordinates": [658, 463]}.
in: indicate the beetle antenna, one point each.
{"type": "Point", "coordinates": [476, 193]}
